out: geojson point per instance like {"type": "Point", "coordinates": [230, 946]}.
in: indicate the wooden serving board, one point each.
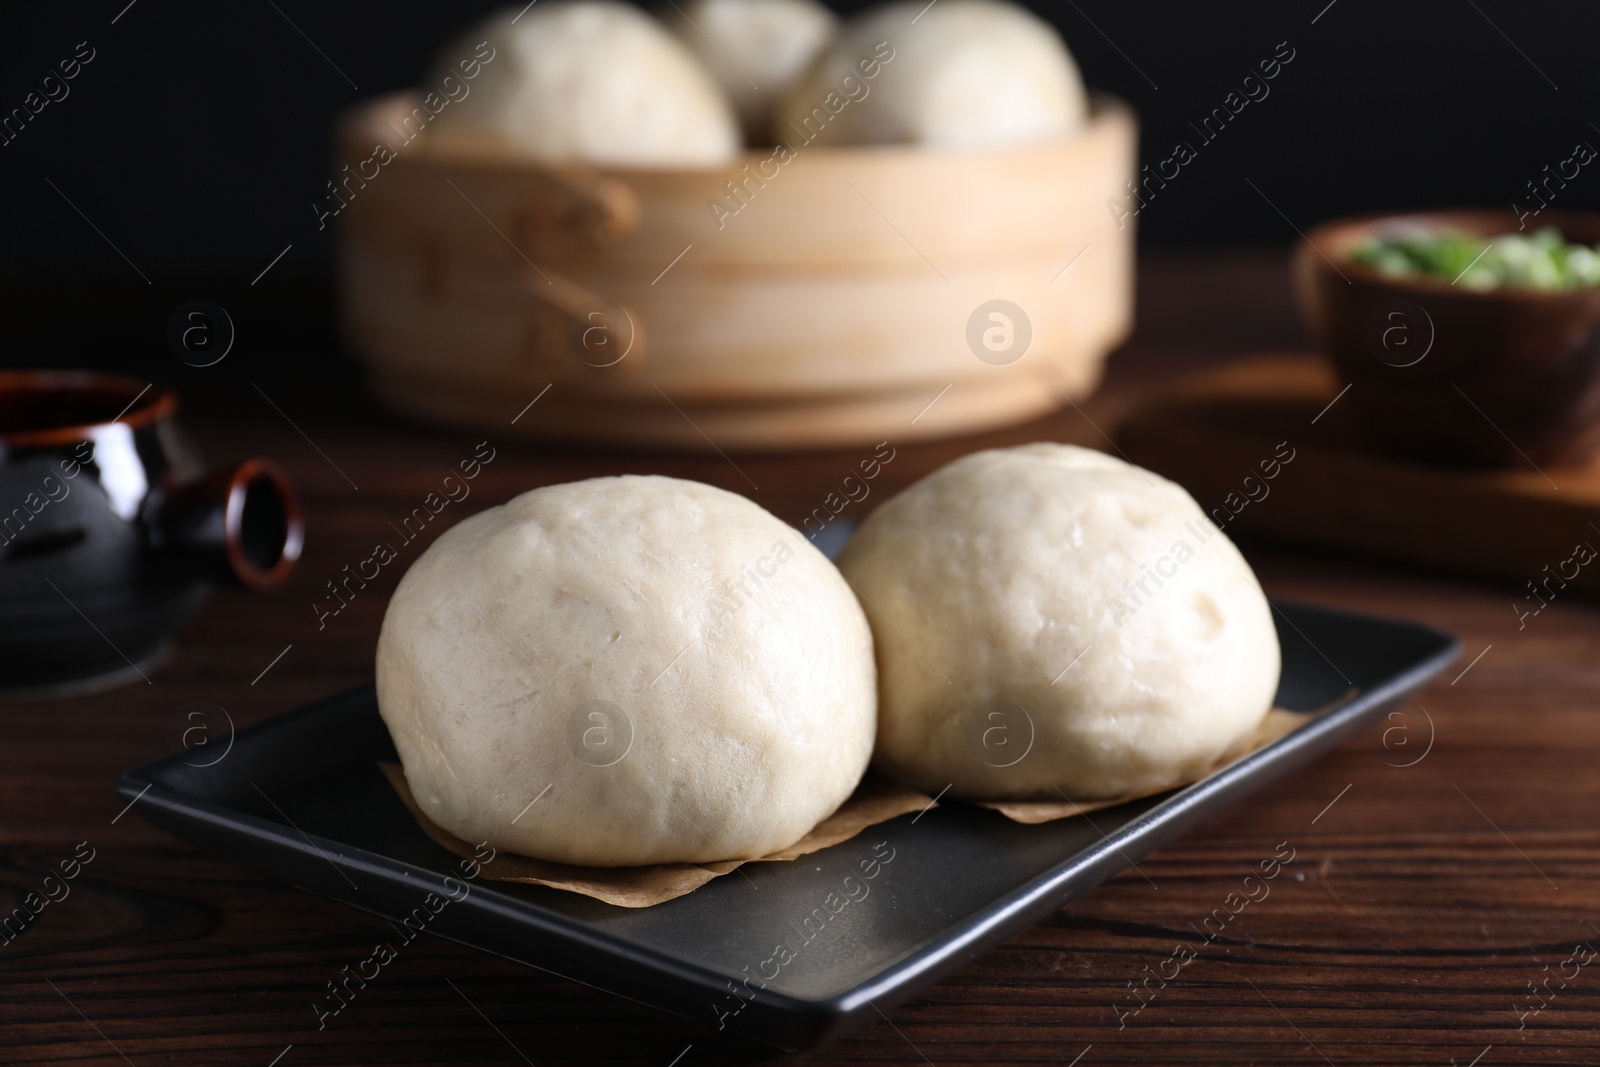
{"type": "Point", "coordinates": [1220, 433]}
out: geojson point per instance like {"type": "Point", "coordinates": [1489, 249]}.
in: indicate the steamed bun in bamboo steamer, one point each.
{"type": "Point", "coordinates": [965, 74]}
{"type": "Point", "coordinates": [591, 80]}
{"type": "Point", "coordinates": [755, 49]}
{"type": "Point", "coordinates": [627, 671]}
{"type": "Point", "coordinates": [1052, 621]}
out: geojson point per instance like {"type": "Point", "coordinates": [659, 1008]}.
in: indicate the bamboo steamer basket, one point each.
{"type": "Point", "coordinates": [830, 309]}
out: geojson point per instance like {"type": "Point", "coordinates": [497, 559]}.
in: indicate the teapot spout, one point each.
{"type": "Point", "coordinates": [240, 526]}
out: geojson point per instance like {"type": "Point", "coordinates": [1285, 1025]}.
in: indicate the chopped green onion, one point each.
{"type": "Point", "coordinates": [1541, 260]}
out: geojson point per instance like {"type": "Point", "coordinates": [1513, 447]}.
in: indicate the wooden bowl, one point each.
{"type": "Point", "coordinates": [1506, 377]}
{"type": "Point", "coordinates": [829, 308]}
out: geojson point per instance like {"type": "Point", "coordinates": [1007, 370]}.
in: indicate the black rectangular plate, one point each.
{"type": "Point", "coordinates": [959, 879]}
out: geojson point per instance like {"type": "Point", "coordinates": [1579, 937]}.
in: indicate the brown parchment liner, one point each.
{"type": "Point", "coordinates": [1275, 724]}
{"type": "Point", "coordinates": [875, 800]}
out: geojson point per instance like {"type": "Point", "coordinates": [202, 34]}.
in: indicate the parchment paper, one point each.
{"type": "Point", "coordinates": [875, 800]}
{"type": "Point", "coordinates": [1276, 723]}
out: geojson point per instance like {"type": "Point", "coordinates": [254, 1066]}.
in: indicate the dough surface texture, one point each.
{"type": "Point", "coordinates": [755, 49]}
{"type": "Point", "coordinates": [590, 80]}
{"type": "Point", "coordinates": [967, 74]}
{"type": "Point", "coordinates": [1052, 618]}
{"type": "Point", "coordinates": [627, 671]}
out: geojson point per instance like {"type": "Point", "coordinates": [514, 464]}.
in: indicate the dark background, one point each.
{"type": "Point", "coordinates": [197, 139]}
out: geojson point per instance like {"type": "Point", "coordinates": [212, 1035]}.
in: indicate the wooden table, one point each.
{"type": "Point", "coordinates": [1422, 904]}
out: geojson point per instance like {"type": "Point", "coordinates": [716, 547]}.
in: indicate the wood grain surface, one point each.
{"type": "Point", "coordinates": [1220, 433]}
{"type": "Point", "coordinates": [1443, 866]}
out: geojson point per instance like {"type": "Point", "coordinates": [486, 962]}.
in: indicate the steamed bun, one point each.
{"type": "Point", "coordinates": [968, 73]}
{"type": "Point", "coordinates": [1052, 618]}
{"type": "Point", "coordinates": [591, 80]}
{"type": "Point", "coordinates": [627, 671]}
{"type": "Point", "coordinates": [756, 49]}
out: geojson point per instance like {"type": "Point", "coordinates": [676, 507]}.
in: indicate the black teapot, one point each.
{"type": "Point", "coordinates": [111, 531]}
